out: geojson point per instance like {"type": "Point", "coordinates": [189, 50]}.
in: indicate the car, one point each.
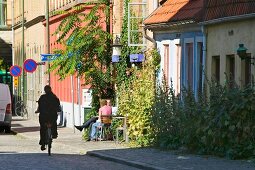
{"type": "Point", "coordinates": [5, 108]}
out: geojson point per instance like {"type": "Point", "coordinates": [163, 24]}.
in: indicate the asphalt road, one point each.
{"type": "Point", "coordinates": [21, 153]}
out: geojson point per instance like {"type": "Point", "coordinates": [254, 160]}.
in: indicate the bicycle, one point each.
{"type": "Point", "coordinates": [48, 138]}
{"type": "Point", "coordinates": [21, 110]}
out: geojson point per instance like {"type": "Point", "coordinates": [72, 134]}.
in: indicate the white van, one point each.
{"type": "Point", "coordinates": [5, 108]}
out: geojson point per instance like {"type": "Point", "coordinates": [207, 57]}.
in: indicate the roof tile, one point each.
{"type": "Point", "coordinates": [226, 8]}
{"type": "Point", "coordinates": [175, 10]}
{"type": "Point", "coordinates": [199, 10]}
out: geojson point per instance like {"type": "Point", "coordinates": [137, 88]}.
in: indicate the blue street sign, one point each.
{"type": "Point", "coordinates": [30, 65]}
{"type": "Point", "coordinates": [115, 58]}
{"type": "Point", "coordinates": [15, 71]}
{"type": "Point", "coordinates": [134, 58]}
{"type": "Point", "coordinates": [49, 57]}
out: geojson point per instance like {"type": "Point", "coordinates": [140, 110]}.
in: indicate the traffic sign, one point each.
{"type": "Point", "coordinates": [49, 57]}
{"type": "Point", "coordinates": [16, 82]}
{"type": "Point", "coordinates": [15, 70]}
{"type": "Point", "coordinates": [30, 65]}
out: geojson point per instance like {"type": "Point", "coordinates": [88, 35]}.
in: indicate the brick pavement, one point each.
{"type": "Point", "coordinates": [144, 158]}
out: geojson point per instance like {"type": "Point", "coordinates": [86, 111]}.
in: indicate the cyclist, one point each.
{"type": "Point", "coordinates": [48, 105]}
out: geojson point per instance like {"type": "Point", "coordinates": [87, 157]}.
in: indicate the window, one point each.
{"type": "Point", "coordinates": [166, 63]}
{"type": "Point", "coordinates": [136, 14]}
{"type": "Point", "coordinates": [189, 56]}
{"type": "Point", "coordinates": [246, 72]}
{"type": "Point", "coordinates": [230, 69]}
{"type": "Point", "coordinates": [200, 60]}
{"type": "Point", "coordinates": [3, 12]}
{"type": "Point", "coordinates": [178, 59]}
{"type": "Point", "coordinates": [216, 68]}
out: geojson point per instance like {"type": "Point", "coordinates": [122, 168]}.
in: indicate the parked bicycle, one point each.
{"type": "Point", "coordinates": [21, 110]}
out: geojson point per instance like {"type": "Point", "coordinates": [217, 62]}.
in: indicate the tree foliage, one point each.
{"type": "Point", "coordinates": [86, 39]}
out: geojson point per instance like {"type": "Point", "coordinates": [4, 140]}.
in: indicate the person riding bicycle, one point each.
{"type": "Point", "coordinates": [48, 105]}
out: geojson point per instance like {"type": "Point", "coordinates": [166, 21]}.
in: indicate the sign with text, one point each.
{"type": "Point", "coordinates": [49, 57]}
{"type": "Point", "coordinates": [86, 98]}
{"type": "Point", "coordinates": [16, 81]}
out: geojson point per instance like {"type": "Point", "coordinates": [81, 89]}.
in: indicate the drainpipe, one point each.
{"type": "Point", "coordinates": [204, 53]}
{"type": "Point", "coordinates": [72, 95]}
{"type": "Point", "coordinates": [47, 34]}
{"type": "Point", "coordinates": [149, 38]}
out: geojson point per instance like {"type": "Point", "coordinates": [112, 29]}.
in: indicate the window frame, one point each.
{"type": "Point", "coordinates": [3, 10]}
{"type": "Point", "coordinates": [216, 64]}
{"type": "Point", "coordinates": [130, 30]}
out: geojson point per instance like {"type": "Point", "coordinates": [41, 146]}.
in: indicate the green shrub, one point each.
{"type": "Point", "coordinates": [223, 125]}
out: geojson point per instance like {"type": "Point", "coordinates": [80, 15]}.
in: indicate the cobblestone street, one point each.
{"type": "Point", "coordinates": [71, 152]}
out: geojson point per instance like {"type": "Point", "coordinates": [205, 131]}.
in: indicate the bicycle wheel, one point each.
{"type": "Point", "coordinates": [18, 109]}
{"type": "Point", "coordinates": [49, 141]}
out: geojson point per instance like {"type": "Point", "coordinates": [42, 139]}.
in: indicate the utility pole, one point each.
{"type": "Point", "coordinates": [23, 54]}
{"type": "Point", "coordinates": [13, 49]}
{"type": "Point", "coordinates": [47, 35]}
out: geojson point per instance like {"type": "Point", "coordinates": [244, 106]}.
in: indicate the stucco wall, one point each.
{"type": "Point", "coordinates": [36, 80]}
{"type": "Point", "coordinates": [34, 40]}
{"type": "Point", "coordinates": [224, 39]}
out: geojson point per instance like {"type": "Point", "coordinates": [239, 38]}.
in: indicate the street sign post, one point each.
{"type": "Point", "coordinates": [40, 63]}
{"type": "Point", "coordinates": [15, 70]}
{"type": "Point", "coordinates": [30, 65]}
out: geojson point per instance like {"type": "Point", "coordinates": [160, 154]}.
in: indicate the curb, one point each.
{"type": "Point", "coordinates": [123, 161]}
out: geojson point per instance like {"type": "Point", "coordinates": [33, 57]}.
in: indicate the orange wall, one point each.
{"type": "Point", "coordinates": [63, 88]}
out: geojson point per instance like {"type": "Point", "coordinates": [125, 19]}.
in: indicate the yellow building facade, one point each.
{"type": "Point", "coordinates": [223, 40]}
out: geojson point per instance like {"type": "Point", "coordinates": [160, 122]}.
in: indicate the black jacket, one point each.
{"type": "Point", "coordinates": [48, 106]}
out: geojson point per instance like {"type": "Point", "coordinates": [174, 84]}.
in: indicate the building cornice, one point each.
{"type": "Point", "coordinates": [34, 21]}
{"type": "Point", "coordinates": [228, 19]}
{"type": "Point", "coordinates": [169, 25]}
{"type": "Point", "coordinates": [5, 28]}
{"type": "Point", "coordinates": [18, 24]}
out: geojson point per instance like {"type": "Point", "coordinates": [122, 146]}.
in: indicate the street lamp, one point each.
{"type": "Point", "coordinates": [116, 50]}
{"type": "Point", "coordinates": [242, 53]}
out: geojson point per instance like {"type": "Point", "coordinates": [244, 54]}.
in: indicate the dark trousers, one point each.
{"type": "Point", "coordinates": [43, 129]}
{"type": "Point", "coordinates": [88, 122]}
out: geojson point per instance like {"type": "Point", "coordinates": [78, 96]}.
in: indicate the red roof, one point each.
{"type": "Point", "coordinates": [226, 8]}
{"type": "Point", "coordinates": [177, 10]}
{"type": "Point", "coordinates": [199, 10]}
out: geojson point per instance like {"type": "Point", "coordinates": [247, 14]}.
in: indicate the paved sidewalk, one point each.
{"type": "Point", "coordinates": [144, 158]}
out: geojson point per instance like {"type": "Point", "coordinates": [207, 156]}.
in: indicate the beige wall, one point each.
{"type": "Point", "coordinates": [34, 40]}
{"type": "Point", "coordinates": [224, 39]}
{"type": "Point", "coordinates": [34, 47]}
{"type": "Point", "coordinates": [117, 20]}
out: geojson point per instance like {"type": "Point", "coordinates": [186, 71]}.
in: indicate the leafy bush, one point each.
{"type": "Point", "coordinates": [223, 125]}
{"type": "Point", "coordinates": [136, 98]}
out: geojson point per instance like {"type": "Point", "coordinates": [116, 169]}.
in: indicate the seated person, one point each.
{"type": "Point", "coordinates": [93, 119]}
{"type": "Point", "coordinates": [87, 123]}
{"type": "Point", "coordinates": [105, 110]}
